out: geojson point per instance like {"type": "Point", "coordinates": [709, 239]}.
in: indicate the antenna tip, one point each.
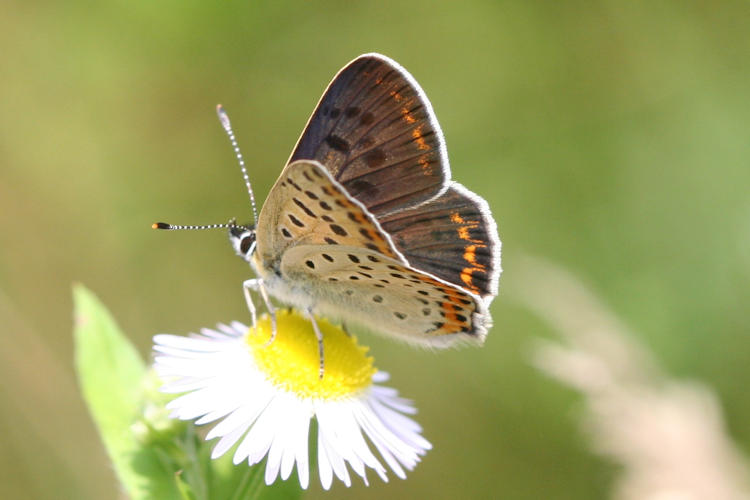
{"type": "Point", "coordinates": [160, 225]}
{"type": "Point", "coordinates": [223, 117]}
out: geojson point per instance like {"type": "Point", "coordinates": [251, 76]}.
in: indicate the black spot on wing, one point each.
{"type": "Point", "coordinates": [338, 230]}
{"type": "Point", "coordinates": [374, 158]}
{"type": "Point", "coordinates": [304, 208]}
{"type": "Point", "coordinates": [367, 118]}
{"type": "Point", "coordinates": [361, 186]}
{"type": "Point", "coordinates": [295, 220]}
{"type": "Point", "coordinates": [337, 143]}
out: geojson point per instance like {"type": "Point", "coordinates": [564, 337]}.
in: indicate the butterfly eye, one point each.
{"type": "Point", "coordinates": [246, 243]}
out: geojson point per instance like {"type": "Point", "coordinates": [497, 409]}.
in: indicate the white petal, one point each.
{"type": "Point", "coordinates": [245, 415]}
{"type": "Point", "coordinates": [377, 440]}
{"type": "Point", "coordinates": [391, 398]}
{"type": "Point", "coordinates": [188, 344]}
{"type": "Point", "coordinates": [228, 440]}
{"type": "Point", "coordinates": [301, 452]}
{"type": "Point", "coordinates": [400, 425]}
{"type": "Point", "coordinates": [274, 457]}
{"type": "Point", "coordinates": [398, 439]}
{"type": "Point", "coordinates": [195, 404]}
{"type": "Point", "coordinates": [225, 332]}
{"type": "Point", "coordinates": [281, 451]}
{"type": "Point", "coordinates": [258, 440]}
{"type": "Point", "coordinates": [324, 465]}
{"type": "Point", "coordinates": [287, 458]}
{"type": "Point", "coordinates": [351, 436]}
{"type": "Point", "coordinates": [330, 425]}
{"type": "Point", "coordinates": [239, 327]}
{"type": "Point", "coordinates": [335, 459]}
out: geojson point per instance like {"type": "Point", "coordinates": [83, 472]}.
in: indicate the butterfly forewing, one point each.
{"type": "Point", "coordinates": [453, 237]}
{"type": "Point", "coordinates": [307, 207]}
{"type": "Point", "coordinates": [375, 131]}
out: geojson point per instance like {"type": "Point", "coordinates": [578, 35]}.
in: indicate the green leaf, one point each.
{"type": "Point", "coordinates": [186, 491]}
{"type": "Point", "coordinates": [111, 374]}
{"type": "Point", "coordinates": [153, 460]}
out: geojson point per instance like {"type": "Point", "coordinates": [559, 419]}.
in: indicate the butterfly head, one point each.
{"type": "Point", "coordinates": [243, 240]}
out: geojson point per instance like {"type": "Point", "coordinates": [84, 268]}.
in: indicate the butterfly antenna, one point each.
{"type": "Point", "coordinates": [173, 227]}
{"type": "Point", "coordinates": [224, 119]}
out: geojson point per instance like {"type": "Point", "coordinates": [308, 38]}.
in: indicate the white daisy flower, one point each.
{"type": "Point", "coordinates": [264, 396]}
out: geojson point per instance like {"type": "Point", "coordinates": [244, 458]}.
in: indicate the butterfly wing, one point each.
{"type": "Point", "coordinates": [307, 206]}
{"type": "Point", "coordinates": [387, 296]}
{"type": "Point", "coordinates": [319, 247]}
{"type": "Point", "coordinates": [453, 237]}
{"type": "Point", "coordinates": [375, 132]}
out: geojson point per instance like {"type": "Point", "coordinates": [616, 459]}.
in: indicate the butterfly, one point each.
{"type": "Point", "coordinates": [365, 225]}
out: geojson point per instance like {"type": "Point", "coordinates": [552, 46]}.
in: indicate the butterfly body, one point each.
{"type": "Point", "coordinates": [364, 223]}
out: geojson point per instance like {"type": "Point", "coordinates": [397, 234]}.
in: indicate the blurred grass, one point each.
{"type": "Point", "coordinates": [608, 137]}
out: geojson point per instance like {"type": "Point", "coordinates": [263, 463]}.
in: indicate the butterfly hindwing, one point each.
{"type": "Point", "coordinates": [375, 132]}
{"type": "Point", "coordinates": [365, 287]}
{"type": "Point", "coordinates": [453, 237]}
{"type": "Point", "coordinates": [307, 207]}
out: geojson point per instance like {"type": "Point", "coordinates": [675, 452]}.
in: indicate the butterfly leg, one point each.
{"type": "Point", "coordinates": [257, 285]}
{"type": "Point", "coordinates": [319, 336]}
{"type": "Point", "coordinates": [247, 286]}
{"type": "Point", "coordinates": [271, 310]}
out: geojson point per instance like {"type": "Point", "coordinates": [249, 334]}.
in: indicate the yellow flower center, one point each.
{"type": "Point", "coordinates": [291, 361]}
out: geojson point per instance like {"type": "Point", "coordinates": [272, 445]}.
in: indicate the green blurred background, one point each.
{"type": "Point", "coordinates": [610, 138]}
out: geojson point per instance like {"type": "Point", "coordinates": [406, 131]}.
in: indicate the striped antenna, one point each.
{"type": "Point", "coordinates": [224, 119]}
{"type": "Point", "coordinates": [173, 227]}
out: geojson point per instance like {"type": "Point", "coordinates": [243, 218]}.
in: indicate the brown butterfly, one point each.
{"type": "Point", "coordinates": [365, 224]}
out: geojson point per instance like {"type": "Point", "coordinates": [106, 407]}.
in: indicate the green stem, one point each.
{"type": "Point", "coordinates": [249, 484]}
{"type": "Point", "coordinates": [197, 477]}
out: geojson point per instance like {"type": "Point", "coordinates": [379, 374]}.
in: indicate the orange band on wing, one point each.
{"type": "Point", "coordinates": [470, 251]}
{"type": "Point", "coordinates": [417, 135]}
